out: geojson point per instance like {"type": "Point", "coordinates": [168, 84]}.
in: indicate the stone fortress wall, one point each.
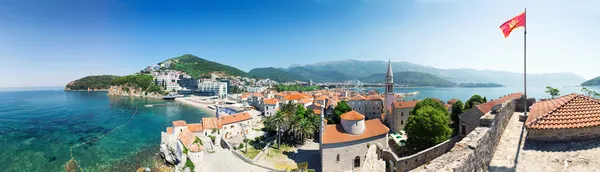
{"type": "Point", "coordinates": [475, 151]}
{"type": "Point", "coordinates": [420, 158]}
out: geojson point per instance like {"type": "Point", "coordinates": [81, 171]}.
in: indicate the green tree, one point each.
{"type": "Point", "coordinates": [429, 102]}
{"type": "Point", "coordinates": [427, 127]}
{"type": "Point", "coordinates": [300, 111]}
{"type": "Point", "coordinates": [552, 91]}
{"type": "Point", "coordinates": [457, 109]}
{"type": "Point", "coordinates": [484, 99]}
{"type": "Point", "coordinates": [473, 101]}
{"type": "Point", "coordinates": [340, 109]}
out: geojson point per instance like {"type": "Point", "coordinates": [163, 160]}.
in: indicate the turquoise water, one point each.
{"type": "Point", "coordinates": [37, 128]}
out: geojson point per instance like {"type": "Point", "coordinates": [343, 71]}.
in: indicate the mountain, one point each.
{"type": "Point", "coordinates": [470, 84]}
{"type": "Point", "coordinates": [196, 66]}
{"type": "Point", "coordinates": [97, 82]}
{"type": "Point", "coordinates": [320, 75]}
{"type": "Point", "coordinates": [410, 79]}
{"type": "Point", "coordinates": [591, 82]}
{"type": "Point", "coordinates": [275, 74]}
{"type": "Point", "coordinates": [359, 69]}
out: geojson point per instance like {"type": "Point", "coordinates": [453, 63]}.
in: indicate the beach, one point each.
{"type": "Point", "coordinates": [198, 103]}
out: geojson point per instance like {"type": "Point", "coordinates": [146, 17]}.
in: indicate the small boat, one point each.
{"type": "Point", "coordinates": [172, 96]}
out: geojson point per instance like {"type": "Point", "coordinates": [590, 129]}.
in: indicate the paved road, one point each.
{"type": "Point", "coordinates": [224, 160]}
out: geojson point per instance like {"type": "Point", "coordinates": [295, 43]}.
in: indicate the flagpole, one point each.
{"type": "Point", "coordinates": [525, 63]}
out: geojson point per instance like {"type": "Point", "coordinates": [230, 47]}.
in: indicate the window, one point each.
{"type": "Point", "coordinates": [338, 158]}
{"type": "Point", "coordinates": [401, 113]}
{"type": "Point", "coordinates": [357, 162]}
{"type": "Point", "coordinates": [402, 122]}
{"type": "Point", "coordinates": [231, 126]}
{"type": "Point", "coordinates": [463, 130]}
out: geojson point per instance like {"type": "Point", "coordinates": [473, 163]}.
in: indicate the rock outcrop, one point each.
{"type": "Point", "coordinates": [131, 91]}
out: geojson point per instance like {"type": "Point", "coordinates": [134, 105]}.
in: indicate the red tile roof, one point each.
{"type": "Point", "coordinates": [304, 101]}
{"type": "Point", "coordinates": [331, 102]}
{"type": "Point", "coordinates": [317, 111]}
{"type": "Point", "coordinates": [570, 111]}
{"type": "Point", "coordinates": [197, 127]}
{"type": "Point", "coordinates": [210, 123]}
{"type": "Point", "coordinates": [335, 133]}
{"type": "Point", "coordinates": [352, 115]}
{"type": "Point", "coordinates": [406, 104]}
{"type": "Point", "coordinates": [295, 96]}
{"type": "Point", "coordinates": [452, 101]}
{"type": "Point", "coordinates": [187, 138]}
{"type": "Point", "coordinates": [357, 97]}
{"type": "Point", "coordinates": [229, 119]}
{"type": "Point", "coordinates": [179, 123]}
{"type": "Point", "coordinates": [321, 98]}
{"type": "Point", "coordinates": [487, 106]}
{"type": "Point", "coordinates": [272, 101]}
{"type": "Point", "coordinates": [169, 130]}
{"type": "Point", "coordinates": [373, 97]}
{"type": "Point", "coordinates": [196, 148]}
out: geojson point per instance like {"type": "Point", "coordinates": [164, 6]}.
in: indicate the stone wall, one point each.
{"type": "Point", "coordinates": [475, 151]}
{"type": "Point", "coordinates": [469, 120]}
{"type": "Point", "coordinates": [347, 152]}
{"type": "Point", "coordinates": [564, 135]}
{"type": "Point", "coordinates": [420, 158]}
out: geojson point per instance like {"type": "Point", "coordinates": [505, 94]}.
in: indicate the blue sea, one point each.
{"type": "Point", "coordinates": [38, 127]}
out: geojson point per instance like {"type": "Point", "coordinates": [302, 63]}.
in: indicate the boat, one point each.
{"type": "Point", "coordinates": [172, 96]}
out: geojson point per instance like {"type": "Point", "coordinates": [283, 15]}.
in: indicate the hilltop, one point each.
{"type": "Point", "coordinates": [95, 82]}
{"type": "Point", "coordinates": [274, 74]}
{"type": "Point", "coordinates": [359, 69]}
{"type": "Point", "coordinates": [591, 82]}
{"type": "Point", "coordinates": [410, 79]}
{"type": "Point", "coordinates": [196, 66]}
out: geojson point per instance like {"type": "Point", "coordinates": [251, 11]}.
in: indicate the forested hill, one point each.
{"type": "Point", "coordinates": [98, 82]}
{"type": "Point", "coordinates": [591, 82]}
{"type": "Point", "coordinates": [275, 74]}
{"type": "Point", "coordinates": [196, 66]}
{"type": "Point", "coordinates": [411, 79]}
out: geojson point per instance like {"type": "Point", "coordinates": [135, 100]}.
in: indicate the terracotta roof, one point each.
{"type": "Point", "coordinates": [331, 102]}
{"type": "Point", "coordinates": [169, 130]}
{"type": "Point", "coordinates": [317, 111]}
{"type": "Point", "coordinates": [272, 101]}
{"type": "Point", "coordinates": [197, 127]}
{"type": "Point", "coordinates": [316, 104]}
{"type": "Point", "coordinates": [570, 111]}
{"type": "Point", "coordinates": [406, 104]}
{"type": "Point", "coordinates": [357, 97]}
{"type": "Point", "coordinates": [243, 96]}
{"type": "Point", "coordinates": [438, 100]}
{"type": "Point", "coordinates": [334, 133]}
{"type": "Point", "coordinates": [179, 123]}
{"type": "Point", "coordinates": [452, 101]}
{"type": "Point", "coordinates": [373, 97]}
{"type": "Point", "coordinates": [210, 123]}
{"type": "Point", "coordinates": [352, 115]}
{"type": "Point", "coordinates": [187, 138]}
{"type": "Point", "coordinates": [196, 148]}
{"type": "Point", "coordinates": [448, 106]}
{"type": "Point", "coordinates": [487, 106]}
{"type": "Point", "coordinates": [295, 96]}
{"type": "Point", "coordinates": [304, 101]}
{"type": "Point", "coordinates": [229, 119]}
{"type": "Point", "coordinates": [321, 98]}
{"type": "Point", "coordinates": [258, 94]}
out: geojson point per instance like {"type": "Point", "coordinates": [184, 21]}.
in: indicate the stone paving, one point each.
{"type": "Point", "coordinates": [224, 160]}
{"type": "Point", "coordinates": [534, 156]}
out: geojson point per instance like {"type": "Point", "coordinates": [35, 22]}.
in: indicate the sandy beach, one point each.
{"type": "Point", "coordinates": [195, 102]}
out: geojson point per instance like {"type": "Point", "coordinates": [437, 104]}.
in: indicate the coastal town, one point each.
{"type": "Point", "coordinates": [357, 130]}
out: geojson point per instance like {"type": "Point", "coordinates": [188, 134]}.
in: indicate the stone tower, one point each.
{"type": "Point", "coordinates": [389, 90]}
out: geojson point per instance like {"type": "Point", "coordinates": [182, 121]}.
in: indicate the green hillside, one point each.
{"type": "Point", "coordinates": [410, 79]}
{"type": "Point", "coordinates": [595, 81]}
{"type": "Point", "coordinates": [320, 75]}
{"type": "Point", "coordinates": [92, 82]}
{"type": "Point", "coordinates": [274, 74]}
{"type": "Point", "coordinates": [196, 66]}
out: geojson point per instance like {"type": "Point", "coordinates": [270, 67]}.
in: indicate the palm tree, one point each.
{"type": "Point", "coordinates": [304, 129]}
{"type": "Point", "coordinates": [279, 119]}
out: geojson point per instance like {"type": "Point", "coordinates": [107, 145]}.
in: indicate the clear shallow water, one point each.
{"type": "Point", "coordinates": [37, 128]}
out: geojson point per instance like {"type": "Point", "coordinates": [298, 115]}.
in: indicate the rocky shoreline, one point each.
{"type": "Point", "coordinates": [132, 91]}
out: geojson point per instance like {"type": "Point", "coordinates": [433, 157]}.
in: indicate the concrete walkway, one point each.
{"type": "Point", "coordinates": [224, 160]}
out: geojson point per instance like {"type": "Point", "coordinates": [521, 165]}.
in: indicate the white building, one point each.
{"type": "Point", "coordinates": [219, 88]}
{"type": "Point", "coordinates": [270, 106]}
{"type": "Point", "coordinates": [236, 124]}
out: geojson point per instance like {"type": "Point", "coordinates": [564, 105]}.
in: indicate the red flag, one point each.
{"type": "Point", "coordinates": [510, 25]}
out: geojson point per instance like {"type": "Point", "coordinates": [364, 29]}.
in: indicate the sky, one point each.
{"type": "Point", "coordinates": [49, 43]}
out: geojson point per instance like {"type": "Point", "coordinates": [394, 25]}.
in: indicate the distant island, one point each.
{"type": "Point", "coordinates": [473, 85]}
{"type": "Point", "coordinates": [591, 82]}
{"type": "Point", "coordinates": [411, 79]}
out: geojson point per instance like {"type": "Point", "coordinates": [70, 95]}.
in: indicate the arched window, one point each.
{"type": "Point", "coordinates": [338, 158]}
{"type": "Point", "coordinates": [357, 162]}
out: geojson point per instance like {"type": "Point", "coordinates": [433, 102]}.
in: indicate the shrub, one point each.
{"type": "Point", "coordinates": [213, 138]}
{"type": "Point", "coordinates": [190, 164]}
{"type": "Point", "coordinates": [241, 146]}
